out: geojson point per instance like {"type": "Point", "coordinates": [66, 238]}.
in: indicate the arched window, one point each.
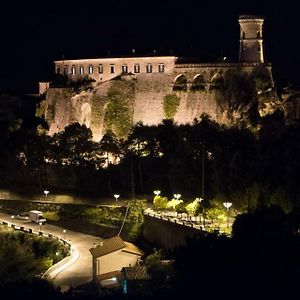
{"type": "Point", "coordinates": [198, 83]}
{"type": "Point", "coordinates": [216, 82]}
{"type": "Point", "coordinates": [180, 83]}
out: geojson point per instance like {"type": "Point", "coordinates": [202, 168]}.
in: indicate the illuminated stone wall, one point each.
{"type": "Point", "coordinates": [65, 105]}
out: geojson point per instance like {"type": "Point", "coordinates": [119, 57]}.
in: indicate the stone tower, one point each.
{"type": "Point", "coordinates": [251, 40]}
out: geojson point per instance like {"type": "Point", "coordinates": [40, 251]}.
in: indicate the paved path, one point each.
{"type": "Point", "coordinates": [74, 270]}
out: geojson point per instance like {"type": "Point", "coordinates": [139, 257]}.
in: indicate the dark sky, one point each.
{"type": "Point", "coordinates": [33, 34]}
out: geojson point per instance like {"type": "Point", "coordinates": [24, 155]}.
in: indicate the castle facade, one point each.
{"type": "Point", "coordinates": [149, 84]}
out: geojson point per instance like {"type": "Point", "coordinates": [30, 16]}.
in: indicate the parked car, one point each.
{"type": "Point", "coordinates": [23, 216]}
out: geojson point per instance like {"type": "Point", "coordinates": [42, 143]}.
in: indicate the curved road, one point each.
{"type": "Point", "coordinates": [72, 271]}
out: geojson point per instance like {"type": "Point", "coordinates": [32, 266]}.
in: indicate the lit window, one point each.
{"type": "Point", "coordinates": [112, 69]}
{"type": "Point", "coordinates": [161, 68]}
{"type": "Point", "coordinates": [124, 69]}
{"type": "Point", "coordinates": [149, 68]}
{"type": "Point", "coordinates": [58, 71]}
{"type": "Point", "coordinates": [91, 70]}
{"type": "Point", "coordinates": [100, 69]}
{"type": "Point", "coordinates": [81, 70]}
{"type": "Point", "coordinates": [73, 70]}
{"type": "Point", "coordinates": [136, 68]}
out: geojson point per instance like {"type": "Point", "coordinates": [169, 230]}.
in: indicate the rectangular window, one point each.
{"type": "Point", "coordinates": [136, 68]}
{"type": "Point", "coordinates": [112, 69]}
{"type": "Point", "coordinates": [58, 71]}
{"type": "Point", "coordinates": [66, 71]}
{"type": "Point", "coordinates": [149, 68]}
{"type": "Point", "coordinates": [124, 69]}
{"type": "Point", "coordinates": [161, 68]}
{"type": "Point", "coordinates": [73, 70]}
{"type": "Point", "coordinates": [100, 69]}
{"type": "Point", "coordinates": [91, 70]}
{"type": "Point", "coordinates": [81, 70]}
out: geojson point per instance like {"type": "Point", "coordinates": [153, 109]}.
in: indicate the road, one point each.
{"type": "Point", "coordinates": [74, 270]}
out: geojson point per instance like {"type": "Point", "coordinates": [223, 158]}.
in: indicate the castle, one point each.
{"type": "Point", "coordinates": [128, 90]}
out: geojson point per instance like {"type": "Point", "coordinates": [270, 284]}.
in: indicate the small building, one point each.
{"type": "Point", "coordinates": [110, 256]}
{"type": "Point", "coordinates": [135, 279]}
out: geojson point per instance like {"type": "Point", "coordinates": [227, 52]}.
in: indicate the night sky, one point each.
{"type": "Point", "coordinates": [33, 34]}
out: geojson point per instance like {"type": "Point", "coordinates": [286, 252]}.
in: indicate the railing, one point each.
{"type": "Point", "coordinates": [39, 232]}
{"type": "Point", "coordinates": [181, 218]}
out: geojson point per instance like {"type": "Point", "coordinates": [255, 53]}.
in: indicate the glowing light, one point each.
{"type": "Point", "coordinates": [116, 196]}
{"type": "Point", "coordinates": [157, 192]}
{"type": "Point", "coordinates": [46, 193]}
{"type": "Point", "coordinates": [177, 196]}
{"type": "Point", "coordinates": [227, 205]}
{"type": "Point", "coordinates": [199, 200]}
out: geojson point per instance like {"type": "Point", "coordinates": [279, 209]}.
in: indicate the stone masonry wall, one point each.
{"type": "Point", "coordinates": [65, 106]}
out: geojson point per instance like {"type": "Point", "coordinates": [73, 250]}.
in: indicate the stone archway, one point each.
{"type": "Point", "coordinates": [216, 82]}
{"type": "Point", "coordinates": [198, 83]}
{"type": "Point", "coordinates": [180, 83]}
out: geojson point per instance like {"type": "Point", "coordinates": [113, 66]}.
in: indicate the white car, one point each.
{"type": "Point", "coordinates": [23, 216]}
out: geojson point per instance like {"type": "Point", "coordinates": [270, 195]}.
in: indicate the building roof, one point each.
{"type": "Point", "coordinates": [109, 275]}
{"type": "Point", "coordinates": [110, 280]}
{"type": "Point", "coordinates": [107, 246]}
{"type": "Point", "coordinates": [131, 248]}
{"type": "Point", "coordinates": [136, 273]}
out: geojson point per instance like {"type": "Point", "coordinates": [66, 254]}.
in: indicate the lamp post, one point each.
{"type": "Point", "coordinates": [227, 205]}
{"type": "Point", "coordinates": [46, 193]}
{"type": "Point", "coordinates": [40, 225]}
{"type": "Point", "coordinates": [64, 231]}
{"type": "Point", "coordinates": [156, 193]}
{"type": "Point", "coordinates": [199, 200]}
{"type": "Point", "coordinates": [12, 219]}
{"type": "Point", "coordinates": [116, 196]}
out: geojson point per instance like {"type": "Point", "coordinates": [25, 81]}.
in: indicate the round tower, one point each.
{"type": "Point", "coordinates": [251, 39]}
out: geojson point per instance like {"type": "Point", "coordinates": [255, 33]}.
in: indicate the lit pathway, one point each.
{"type": "Point", "coordinates": [73, 270]}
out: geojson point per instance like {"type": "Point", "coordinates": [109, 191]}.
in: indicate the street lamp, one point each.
{"type": "Point", "coordinates": [157, 192]}
{"type": "Point", "coordinates": [116, 196]}
{"type": "Point", "coordinates": [46, 193]}
{"type": "Point", "coordinates": [199, 200]}
{"type": "Point", "coordinates": [64, 231]}
{"type": "Point", "coordinates": [40, 225]}
{"type": "Point", "coordinates": [227, 205]}
{"type": "Point", "coordinates": [12, 219]}
{"type": "Point", "coordinates": [177, 196]}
